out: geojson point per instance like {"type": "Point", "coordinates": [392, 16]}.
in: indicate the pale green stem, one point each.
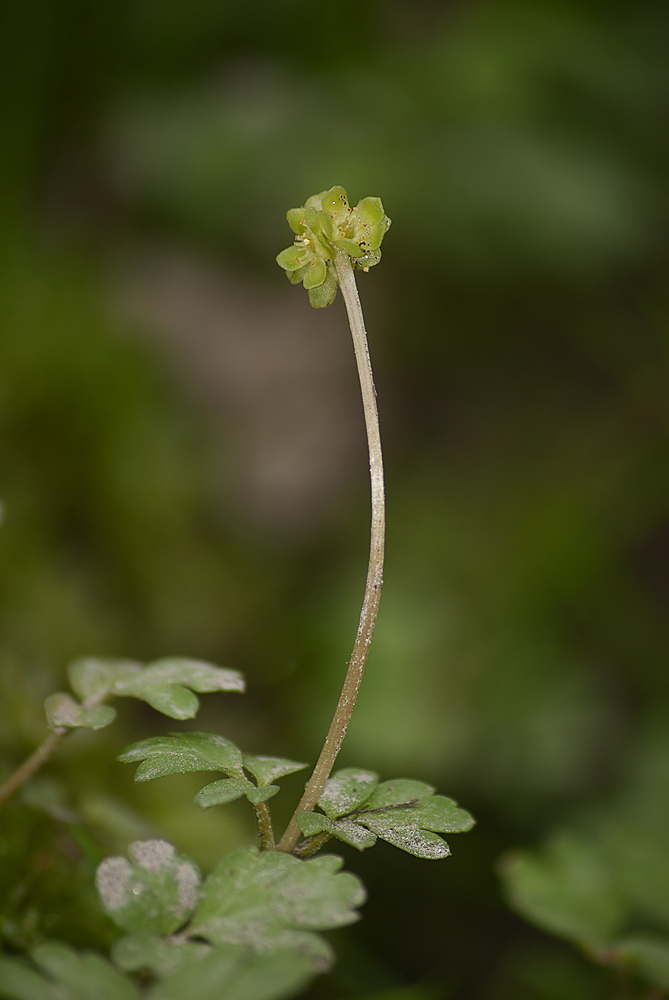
{"type": "Point", "coordinates": [32, 764]}
{"type": "Point", "coordinates": [370, 604]}
{"type": "Point", "coordinates": [40, 756]}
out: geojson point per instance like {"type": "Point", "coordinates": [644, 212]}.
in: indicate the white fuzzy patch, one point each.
{"type": "Point", "coordinates": [152, 854]}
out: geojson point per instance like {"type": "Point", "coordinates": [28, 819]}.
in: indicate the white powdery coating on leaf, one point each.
{"type": "Point", "coordinates": [113, 879]}
{"type": "Point", "coordinates": [152, 854]}
{"type": "Point", "coordinates": [188, 881]}
{"type": "Point", "coordinates": [339, 797]}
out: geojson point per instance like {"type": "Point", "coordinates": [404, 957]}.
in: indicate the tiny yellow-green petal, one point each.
{"type": "Point", "coordinates": [315, 274]}
{"type": "Point", "coordinates": [350, 247]}
{"type": "Point", "coordinates": [324, 295]}
{"type": "Point", "coordinates": [335, 202]}
{"type": "Point", "coordinates": [291, 258]}
{"type": "Point", "coordinates": [370, 210]}
{"type": "Point", "coordinates": [296, 220]}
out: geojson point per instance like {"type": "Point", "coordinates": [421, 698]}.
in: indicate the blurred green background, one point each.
{"type": "Point", "coordinates": [183, 454]}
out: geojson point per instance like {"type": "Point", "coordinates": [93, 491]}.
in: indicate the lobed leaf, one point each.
{"type": "Point", "coordinates": [311, 824]}
{"type": "Point", "coordinates": [270, 900]}
{"type": "Point", "coordinates": [218, 793]}
{"type": "Point", "coordinates": [266, 770]}
{"type": "Point", "coordinates": [168, 684]}
{"type": "Point", "coordinates": [64, 974]}
{"type": "Point", "coordinates": [566, 889]}
{"type": "Point", "coordinates": [62, 711]}
{"type": "Point", "coordinates": [159, 955]}
{"type": "Point", "coordinates": [156, 891]}
{"type": "Point", "coordinates": [346, 790]}
{"type": "Point", "coordinates": [402, 812]}
{"type": "Point", "coordinates": [182, 752]}
{"type": "Point", "coordinates": [234, 973]}
{"type": "Point", "coordinates": [648, 955]}
{"type": "Point", "coordinates": [90, 677]}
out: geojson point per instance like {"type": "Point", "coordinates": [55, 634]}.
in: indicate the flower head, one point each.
{"type": "Point", "coordinates": [325, 224]}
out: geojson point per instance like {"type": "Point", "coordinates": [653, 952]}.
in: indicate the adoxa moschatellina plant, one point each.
{"type": "Point", "coordinates": [247, 931]}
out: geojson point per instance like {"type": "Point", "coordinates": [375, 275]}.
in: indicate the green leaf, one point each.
{"type": "Point", "coordinates": [235, 974]}
{"type": "Point", "coordinates": [648, 955]}
{"type": "Point", "coordinates": [63, 711]}
{"type": "Point", "coordinates": [156, 891]}
{"type": "Point", "coordinates": [182, 752]}
{"type": "Point", "coordinates": [218, 793]}
{"type": "Point", "coordinates": [316, 274]}
{"type": "Point", "coordinates": [161, 956]}
{"type": "Point", "coordinates": [165, 684]}
{"type": "Point", "coordinates": [291, 258]}
{"type": "Point", "coordinates": [346, 790]}
{"type": "Point", "coordinates": [324, 295]}
{"type": "Point", "coordinates": [65, 975]}
{"type": "Point", "coordinates": [566, 889]}
{"type": "Point", "coordinates": [405, 813]}
{"type": "Point", "coordinates": [266, 770]}
{"type": "Point", "coordinates": [311, 824]}
{"type": "Point", "coordinates": [271, 900]}
{"type": "Point", "coordinates": [93, 678]}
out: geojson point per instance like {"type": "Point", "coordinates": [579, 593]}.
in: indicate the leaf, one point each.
{"type": "Point", "coordinates": [63, 711]}
{"type": "Point", "coordinates": [161, 956]}
{"type": "Point", "coordinates": [266, 770]}
{"type": "Point", "coordinates": [65, 975]}
{"type": "Point", "coordinates": [182, 752]}
{"type": "Point", "coordinates": [154, 892]}
{"type": "Point", "coordinates": [90, 677]}
{"type": "Point", "coordinates": [404, 813]}
{"type": "Point", "coordinates": [566, 888]}
{"type": "Point", "coordinates": [233, 973]}
{"type": "Point", "coordinates": [649, 956]}
{"type": "Point", "coordinates": [311, 824]}
{"type": "Point", "coordinates": [165, 684]}
{"type": "Point", "coordinates": [346, 790]}
{"type": "Point", "coordinates": [268, 900]}
{"type": "Point", "coordinates": [218, 793]}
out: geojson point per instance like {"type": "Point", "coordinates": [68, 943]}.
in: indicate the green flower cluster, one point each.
{"type": "Point", "coordinates": [325, 224]}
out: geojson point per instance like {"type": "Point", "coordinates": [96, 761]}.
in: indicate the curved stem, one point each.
{"type": "Point", "coordinates": [42, 754]}
{"type": "Point", "coordinates": [32, 764]}
{"type": "Point", "coordinates": [370, 604]}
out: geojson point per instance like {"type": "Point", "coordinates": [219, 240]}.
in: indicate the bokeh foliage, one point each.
{"type": "Point", "coordinates": [519, 332]}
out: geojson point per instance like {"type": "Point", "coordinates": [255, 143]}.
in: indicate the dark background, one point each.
{"type": "Point", "coordinates": [183, 453]}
